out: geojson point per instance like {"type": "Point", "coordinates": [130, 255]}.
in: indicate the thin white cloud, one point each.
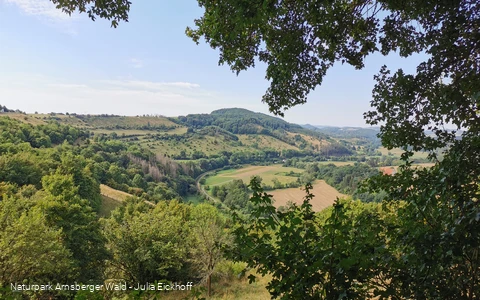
{"type": "Point", "coordinates": [122, 97]}
{"type": "Point", "coordinates": [136, 63]}
{"type": "Point", "coordinates": [150, 85]}
{"type": "Point", "coordinates": [46, 12]}
{"type": "Point", "coordinates": [67, 85]}
{"type": "Point", "coordinates": [41, 8]}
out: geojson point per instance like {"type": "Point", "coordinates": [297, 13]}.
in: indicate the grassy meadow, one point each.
{"type": "Point", "coordinates": [114, 194]}
{"type": "Point", "coordinates": [108, 205]}
{"type": "Point", "coordinates": [140, 132]}
{"type": "Point", "coordinates": [111, 199]}
{"type": "Point", "coordinates": [263, 141]}
{"type": "Point", "coordinates": [209, 145]}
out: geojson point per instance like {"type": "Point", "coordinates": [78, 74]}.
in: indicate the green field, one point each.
{"type": "Point", "coordinates": [267, 173]}
{"type": "Point", "coordinates": [194, 199]}
{"type": "Point", "coordinates": [108, 205]}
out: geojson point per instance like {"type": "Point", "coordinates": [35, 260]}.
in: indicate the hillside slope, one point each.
{"type": "Point", "coordinates": [259, 131]}
{"type": "Point", "coordinates": [195, 136]}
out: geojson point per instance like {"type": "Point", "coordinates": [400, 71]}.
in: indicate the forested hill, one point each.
{"type": "Point", "coordinates": [197, 136]}
{"type": "Point", "coordinates": [346, 132]}
{"type": "Point", "coordinates": [246, 125]}
{"type": "Point", "coordinates": [243, 121]}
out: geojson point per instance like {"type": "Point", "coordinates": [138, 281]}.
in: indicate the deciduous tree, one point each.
{"type": "Point", "coordinates": [30, 250]}
{"type": "Point", "coordinates": [148, 244]}
{"type": "Point", "coordinates": [64, 209]}
{"type": "Point", "coordinates": [210, 239]}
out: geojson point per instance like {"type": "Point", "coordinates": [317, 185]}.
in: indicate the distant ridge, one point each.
{"type": "Point", "coordinates": [346, 132]}
{"type": "Point", "coordinates": [197, 136]}
{"type": "Point", "coordinates": [242, 121]}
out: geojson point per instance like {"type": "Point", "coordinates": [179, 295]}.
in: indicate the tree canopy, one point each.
{"type": "Point", "coordinates": [112, 10]}
{"type": "Point", "coordinates": [300, 40]}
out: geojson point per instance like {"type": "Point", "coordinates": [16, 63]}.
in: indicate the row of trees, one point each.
{"type": "Point", "coordinates": [4, 109]}
{"type": "Point", "coordinates": [347, 179]}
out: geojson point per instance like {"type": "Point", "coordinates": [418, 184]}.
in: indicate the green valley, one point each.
{"type": "Point", "coordinates": [128, 179]}
{"type": "Point", "coordinates": [134, 170]}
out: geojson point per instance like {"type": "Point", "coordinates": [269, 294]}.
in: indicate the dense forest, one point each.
{"type": "Point", "coordinates": [50, 178]}
{"type": "Point", "coordinates": [239, 120]}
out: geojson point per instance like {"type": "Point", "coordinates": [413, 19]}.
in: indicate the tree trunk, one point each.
{"type": "Point", "coordinates": [209, 285]}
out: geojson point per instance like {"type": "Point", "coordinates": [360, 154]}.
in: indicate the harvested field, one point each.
{"type": "Point", "coordinates": [325, 195]}
{"type": "Point", "coordinates": [267, 173]}
{"type": "Point", "coordinates": [114, 194]}
{"type": "Point", "coordinates": [117, 195]}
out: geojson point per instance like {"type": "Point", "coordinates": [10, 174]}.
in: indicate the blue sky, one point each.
{"type": "Point", "coordinates": [52, 62]}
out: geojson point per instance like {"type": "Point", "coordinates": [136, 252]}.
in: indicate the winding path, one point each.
{"type": "Point", "coordinates": [201, 189]}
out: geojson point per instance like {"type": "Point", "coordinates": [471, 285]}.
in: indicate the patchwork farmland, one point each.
{"type": "Point", "coordinates": [325, 194]}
